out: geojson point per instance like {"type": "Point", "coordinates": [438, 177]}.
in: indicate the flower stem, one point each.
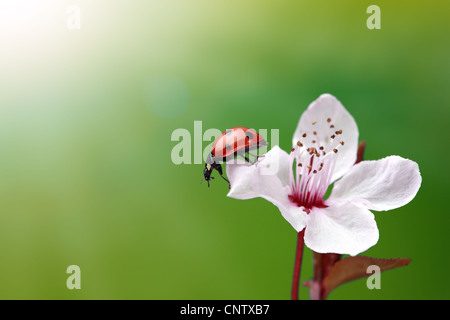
{"type": "Point", "coordinates": [297, 265]}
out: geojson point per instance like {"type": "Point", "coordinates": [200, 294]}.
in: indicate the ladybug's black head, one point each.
{"type": "Point", "coordinates": [210, 165]}
{"type": "Point", "coordinates": [207, 173]}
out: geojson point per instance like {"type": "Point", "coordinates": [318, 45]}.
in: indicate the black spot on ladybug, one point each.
{"type": "Point", "coordinates": [228, 132]}
{"type": "Point", "coordinates": [228, 147]}
{"type": "Point", "coordinates": [249, 135]}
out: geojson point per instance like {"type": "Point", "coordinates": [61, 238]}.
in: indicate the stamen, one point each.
{"type": "Point", "coordinates": [310, 177]}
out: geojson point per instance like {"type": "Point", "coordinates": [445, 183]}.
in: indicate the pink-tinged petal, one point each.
{"type": "Point", "coordinates": [324, 118]}
{"type": "Point", "coordinates": [342, 227]}
{"type": "Point", "coordinates": [383, 184]}
{"type": "Point", "coordinates": [274, 163]}
{"type": "Point", "coordinates": [268, 179]}
{"type": "Point", "coordinates": [270, 188]}
{"type": "Point", "coordinates": [293, 214]}
{"type": "Point", "coordinates": [240, 176]}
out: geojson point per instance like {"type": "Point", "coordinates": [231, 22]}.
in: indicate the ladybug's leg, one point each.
{"type": "Point", "coordinates": [243, 157]}
{"type": "Point", "coordinates": [218, 167]}
{"type": "Point", "coordinates": [241, 154]}
{"type": "Point", "coordinates": [255, 156]}
{"type": "Point", "coordinates": [259, 156]}
{"type": "Point", "coordinates": [229, 184]}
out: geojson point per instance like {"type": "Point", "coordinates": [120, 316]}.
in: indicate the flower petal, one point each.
{"type": "Point", "coordinates": [241, 176]}
{"type": "Point", "coordinates": [268, 179]}
{"type": "Point", "coordinates": [342, 227]}
{"type": "Point", "coordinates": [274, 163]}
{"type": "Point", "coordinates": [383, 184]}
{"type": "Point", "coordinates": [320, 121]}
{"type": "Point", "coordinates": [270, 188]}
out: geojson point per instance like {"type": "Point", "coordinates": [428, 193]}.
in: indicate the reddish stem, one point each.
{"type": "Point", "coordinates": [360, 152]}
{"type": "Point", "coordinates": [297, 265]}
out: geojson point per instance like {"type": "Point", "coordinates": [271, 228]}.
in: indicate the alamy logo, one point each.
{"type": "Point", "coordinates": [374, 280]}
{"type": "Point", "coordinates": [74, 280]}
{"type": "Point", "coordinates": [374, 21]}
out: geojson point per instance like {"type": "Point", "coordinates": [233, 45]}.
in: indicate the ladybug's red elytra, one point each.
{"type": "Point", "coordinates": [231, 143]}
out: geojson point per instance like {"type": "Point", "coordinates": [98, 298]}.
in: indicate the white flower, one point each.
{"type": "Point", "coordinates": [324, 151]}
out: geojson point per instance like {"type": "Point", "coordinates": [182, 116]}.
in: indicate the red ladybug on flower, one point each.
{"type": "Point", "coordinates": [230, 144]}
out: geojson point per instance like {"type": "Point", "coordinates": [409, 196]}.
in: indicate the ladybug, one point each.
{"type": "Point", "coordinates": [232, 143]}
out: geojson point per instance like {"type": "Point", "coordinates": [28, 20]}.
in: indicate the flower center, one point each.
{"type": "Point", "coordinates": [314, 158]}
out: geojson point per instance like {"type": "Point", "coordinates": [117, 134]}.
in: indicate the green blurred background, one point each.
{"type": "Point", "coordinates": [86, 118]}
